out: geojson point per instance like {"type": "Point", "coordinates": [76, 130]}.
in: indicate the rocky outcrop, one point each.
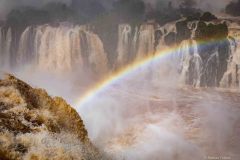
{"type": "Point", "coordinates": [214, 53]}
{"type": "Point", "coordinates": [35, 126]}
{"type": "Point", "coordinates": [213, 47]}
{"type": "Point", "coordinates": [183, 32]}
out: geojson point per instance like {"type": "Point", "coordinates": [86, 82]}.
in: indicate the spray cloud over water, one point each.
{"type": "Point", "coordinates": [146, 119]}
{"type": "Point", "coordinates": [156, 112]}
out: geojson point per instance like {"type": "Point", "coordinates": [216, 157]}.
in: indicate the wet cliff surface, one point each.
{"type": "Point", "coordinates": [35, 126]}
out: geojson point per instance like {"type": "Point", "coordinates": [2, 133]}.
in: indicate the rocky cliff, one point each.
{"type": "Point", "coordinates": [35, 126]}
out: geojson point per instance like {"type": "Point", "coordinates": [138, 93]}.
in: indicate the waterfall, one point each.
{"type": "Point", "coordinates": [135, 43]}
{"type": "Point", "coordinates": [8, 48]}
{"type": "Point", "coordinates": [62, 48]}
{"type": "Point", "coordinates": [124, 44]}
{"type": "Point", "coordinates": [54, 49]}
{"type": "Point", "coordinates": [66, 48]}
{"type": "Point", "coordinates": [97, 56]}
{"type": "Point", "coordinates": [1, 47]}
{"type": "Point", "coordinates": [231, 77]}
{"type": "Point", "coordinates": [190, 63]}
{"type": "Point", "coordinates": [5, 48]}
{"type": "Point", "coordinates": [146, 41]}
{"type": "Point", "coordinates": [25, 52]}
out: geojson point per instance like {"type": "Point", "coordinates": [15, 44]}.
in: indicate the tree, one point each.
{"type": "Point", "coordinates": [187, 3]}
{"type": "Point", "coordinates": [163, 5]}
{"type": "Point", "coordinates": [233, 8]}
{"type": "Point", "coordinates": [129, 10]}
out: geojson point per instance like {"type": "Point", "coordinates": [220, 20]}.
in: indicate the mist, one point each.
{"type": "Point", "coordinates": [182, 105]}
{"type": "Point", "coordinates": [146, 117]}
{"type": "Point", "coordinates": [177, 124]}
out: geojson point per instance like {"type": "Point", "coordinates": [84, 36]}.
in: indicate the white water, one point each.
{"type": "Point", "coordinates": [136, 119]}
{"type": "Point", "coordinates": [145, 41]}
{"type": "Point", "coordinates": [124, 44]}
{"type": "Point", "coordinates": [68, 48]}
{"type": "Point", "coordinates": [232, 76]}
{"type": "Point", "coordinates": [5, 46]}
{"type": "Point", "coordinates": [59, 49]}
{"type": "Point", "coordinates": [189, 54]}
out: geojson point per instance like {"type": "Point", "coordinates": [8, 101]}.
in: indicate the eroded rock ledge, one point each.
{"type": "Point", "coordinates": [35, 126]}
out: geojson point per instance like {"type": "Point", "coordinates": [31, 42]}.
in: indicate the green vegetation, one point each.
{"type": "Point", "coordinates": [211, 31]}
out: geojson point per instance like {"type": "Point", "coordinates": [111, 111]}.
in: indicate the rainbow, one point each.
{"type": "Point", "coordinates": [129, 69]}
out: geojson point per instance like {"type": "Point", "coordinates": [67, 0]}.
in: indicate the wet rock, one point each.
{"type": "Point", "coordinates": [214, 53]}
{"type": "Point", "coordinates": [33, 124]}
{"type": "Point", "coordinates": [183, 32]}
{"type": "Point", "coordinates": [170, 38]}
{"type": "Point", "coordinates": [158, 36]}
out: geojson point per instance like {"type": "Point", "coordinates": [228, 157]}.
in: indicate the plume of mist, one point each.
{"type": "Point", "coordinates": [145, 116]}
{"type": "Point", "coordinates": [139, 118]}
{"type": "Point", "coordinates": [68, 85]}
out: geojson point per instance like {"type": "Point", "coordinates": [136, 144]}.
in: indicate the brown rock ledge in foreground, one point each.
{"type": "Point", "coordinates": [34, 126]}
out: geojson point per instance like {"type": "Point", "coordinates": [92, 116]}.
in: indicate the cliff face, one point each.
{"type": "Point", "coordinates": [35, 126]}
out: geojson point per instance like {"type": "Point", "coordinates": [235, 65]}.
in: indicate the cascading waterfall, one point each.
{"type": "Point", "coordinates": [231, 77]}
{"type": "Point", "coordinates": [97, 56]}
{"type": "Point", "coordinates": [137, 43]}
{"type": "Point", "coordinates": [190, 63]}
{"type": "Point", "coordinates": [62, 48]}
{"type": "Point", "coordinates": [25, 53]}
{"type": "Point", "coordinates": [5, 48]}
{"type": "Point", "coordinates": [146, 41]}
{"type": "Point", "coordinates": [8, 47]}
{"type": "Point", "coordinates": [54, 49]}
{"type": "Point", "coordinates": [186, 60]}
{"type": "Point", "coordinates": [69, 48]}
{"type": "Point", "coordinates": [124, 44]}
{"type": "Point", "coordinates": [1, 46]}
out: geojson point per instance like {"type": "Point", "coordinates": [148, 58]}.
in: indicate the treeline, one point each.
{"type": "Point", "coordinates": [87, 11]}
{"type": "Point", "coordinates": [233, 8]}
{"type": "Point", "coordinates": [122, 11]}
